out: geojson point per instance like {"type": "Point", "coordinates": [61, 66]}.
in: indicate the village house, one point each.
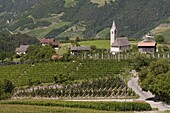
{"type": "Point", "coordinates": [49, 41]}
{"type": "Point", "coordinates": [22, 49]}
{"type": "Point", "coordinates": [77, 50]}
{"type": "Point", "coordinates": [147, 46]}
{"type": "Point", "coordinates": [117, 44]}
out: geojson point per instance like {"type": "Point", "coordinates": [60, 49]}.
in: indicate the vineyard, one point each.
{"type": "Point", "coordinates": [112, 87]}
{"type": "Point", "coordinates": [34, 74]}
{"type": "Point", "coordinates": [77, 79]}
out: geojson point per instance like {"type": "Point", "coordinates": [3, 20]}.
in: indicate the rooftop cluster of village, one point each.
{"type": "Point", "coordinates": [117, 44]}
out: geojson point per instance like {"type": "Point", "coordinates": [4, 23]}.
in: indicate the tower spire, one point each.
{"type": "Point", "coordinates": [113, 33]}
{"type": "Point", "coordinates": [114, 24]}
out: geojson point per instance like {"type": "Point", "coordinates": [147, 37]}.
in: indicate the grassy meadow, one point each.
{"type": "Point", "coordinates": [101, 44]}
{"type": "Point", "coordinates": [67, 106]}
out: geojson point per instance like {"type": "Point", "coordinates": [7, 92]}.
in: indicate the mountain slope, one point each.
{"type": "Point", "coordinates": [133, 17]}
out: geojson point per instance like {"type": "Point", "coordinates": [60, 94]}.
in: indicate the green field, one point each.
{"type": "Point", "coordinates": [39, 33]}
{"type": "Point", "coordinates": [102, 106]}
{"type": "Point", "coordinates": [101, 44]}
{"type": "Point", "coordinates": [45, 109]}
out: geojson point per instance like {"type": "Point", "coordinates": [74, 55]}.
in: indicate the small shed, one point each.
{"type": "Point", "coordinates": [77, 50]}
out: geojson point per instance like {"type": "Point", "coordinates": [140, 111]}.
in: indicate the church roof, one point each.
{"type": "Point", "coordinates": [121, 42]}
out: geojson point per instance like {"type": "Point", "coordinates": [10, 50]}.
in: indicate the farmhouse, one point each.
{"type": "Point", "coordinates": [147, 46]}
{"type": "Point", "coordinates": [77, 50]}
{"type": "Point", "coordinates": [48, 41]}
{"type": "Point", "coordinates": [117, 44]}
{"type": "Point", "coordinates": [22, 49]}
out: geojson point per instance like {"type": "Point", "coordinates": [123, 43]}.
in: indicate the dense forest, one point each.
{"type": "Point", "coordinates": [9, 42]}
{"type": "Point", "coordinates": [133, 17]}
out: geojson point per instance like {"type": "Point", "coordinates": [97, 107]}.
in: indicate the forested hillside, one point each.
{"type": "Point", "coordinates": [133, 17]}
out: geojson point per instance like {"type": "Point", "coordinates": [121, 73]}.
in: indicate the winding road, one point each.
{"type": "Point", "coordinates": [133, 83]}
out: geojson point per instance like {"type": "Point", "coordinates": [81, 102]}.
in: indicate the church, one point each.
{"type": "Point", "coordinates": [117, 44]}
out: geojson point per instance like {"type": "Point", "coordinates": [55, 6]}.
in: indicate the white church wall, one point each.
{"type": "Point", "coordinates": [114, 50]}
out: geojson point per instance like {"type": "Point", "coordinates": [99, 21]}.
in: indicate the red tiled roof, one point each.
{"type": "Point", "coordinates": [147, 44]}
{"type": "Point", "coordinates": [55, 43]}
{"type": "Point", "coordinates": [47, 41]}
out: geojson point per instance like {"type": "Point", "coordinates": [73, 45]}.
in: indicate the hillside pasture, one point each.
{"type": "Point", "coordinates": [103, 34]}
{"type": "Point", "coordinates": [39, 33]}
{"type": "Point", "coordinates": [162, 30]}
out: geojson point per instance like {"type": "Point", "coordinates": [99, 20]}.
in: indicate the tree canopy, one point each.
{"type": "Point", "coordinates": [156, 77]}
{"type": "Point", "coordinates": [38, 53]}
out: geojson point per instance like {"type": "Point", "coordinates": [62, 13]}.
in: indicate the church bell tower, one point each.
{"type": "Point", "coordinates": [113, 33]}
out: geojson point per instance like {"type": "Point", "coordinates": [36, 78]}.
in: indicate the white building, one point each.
{"type": "Point", "coordinates": [117, 44]}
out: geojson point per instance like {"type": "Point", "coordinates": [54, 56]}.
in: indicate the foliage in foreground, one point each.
{"type": "Point", "coordinates": [108, 106]}
{"type": "Point", "coordinates": [6, 89]}
{"type": "Point", "coordinates": [156, 77]}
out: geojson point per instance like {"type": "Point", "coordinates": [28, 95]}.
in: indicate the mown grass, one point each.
{"type": "Point", "coordinates": [44, 109]}
{"type": "Point", "coordinates": [39, 33]}
{"type": "Point", "coordinates": [101, 44]}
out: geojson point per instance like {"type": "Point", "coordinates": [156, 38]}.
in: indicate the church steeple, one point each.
{"type": "Point", "coordinates": [113, 33]}
{"type": "Point", "coordinates": [113, 25]}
